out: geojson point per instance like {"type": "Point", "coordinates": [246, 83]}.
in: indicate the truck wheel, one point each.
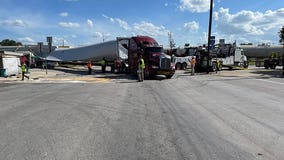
{"type": "Point", "coordinates": [124, 69]}
{"type": "Point", "coordinates": [214, 67]}
{"type": "Point", "coordinates": [246, 64]}
{"type": "Point", "coordinates": [184, 65]}
{"type": "Point", "coordinates": [178, 66]}
{"type": "Point", "coordinates": [151, 76]}
{"type": "Point", "coordinates": [147, 74]}
{"type": "Point", "coordinates": [220, 67]}
{"type": "Point", "coordinates": [169, 76]}
{"type": "Point", "coordinates": [273, 67]}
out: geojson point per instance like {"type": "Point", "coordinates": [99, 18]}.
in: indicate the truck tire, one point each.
{"type": "Point", "coordinates": [178, 66]}
{"type": "Point", "coordinates": [266, 64]}
{"type": "Point", "coordinates": [273, 66]}
{"type": "Point", "coordinates": [214, 67]}
{"type": "Point", "coordinates": [246, 64]}
{"type": "Point", "coordinates": [169, 76]}
{"type": "Point", "coordinates": [220, 67]}
{"type": "Point", "coordinates": [183, 66]}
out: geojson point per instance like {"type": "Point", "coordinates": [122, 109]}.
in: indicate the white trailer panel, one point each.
{"type": "Point", "coordinates": [11, 65]}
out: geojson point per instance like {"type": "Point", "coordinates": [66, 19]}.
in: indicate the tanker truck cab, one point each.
{"type": "Point", "coordinates": [156, 62]}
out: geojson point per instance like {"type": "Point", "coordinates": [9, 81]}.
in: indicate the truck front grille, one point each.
{"type": "Point", "coordinates": [165, 63]}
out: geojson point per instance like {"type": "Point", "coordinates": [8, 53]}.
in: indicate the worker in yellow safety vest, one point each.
{"type": "Point", "coordinates": [103, 64]}
{"type": "Point", "coordinates": [24, 70]}
{"type": "Point", "coordinates": [141, 67]}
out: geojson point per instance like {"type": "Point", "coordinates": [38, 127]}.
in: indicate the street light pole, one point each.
{"type": "Point", "coordinates": [209, 34]}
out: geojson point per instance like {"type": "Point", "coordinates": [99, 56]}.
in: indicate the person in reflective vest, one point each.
{"type": "Point", "coordinates": [141, 67]}
{"type": "Point", "coordinates": [103, 64]}
{"type": "Point", "coordinates": [24, 70]}
{"type": "Point", "coordinates": [89, 65]}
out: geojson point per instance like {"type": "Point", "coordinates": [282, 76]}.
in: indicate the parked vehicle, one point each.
{"type": "Point", "coordinates": [181, 57]}
{"type": "Point", "coordinates": [228, 55]}
{"type": "Point", "coordinates": [271, 63]}
{"type": "Point", "coordinates": [202, 56]}
{"type": "Point", "coordinates": [157, 62]}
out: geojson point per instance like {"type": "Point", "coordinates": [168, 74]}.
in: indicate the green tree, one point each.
{"type": "Point", "coordinates": [8, 42]}
{"type": "Point", "coordinates": [281, 36]}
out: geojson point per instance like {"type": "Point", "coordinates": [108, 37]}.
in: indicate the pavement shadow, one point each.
{"type": "Point", "coordinates": [95, 73]}
{"type": "Point", "coordinates": [273, 73]}
{"type": "Point", "coordinates": [71, 71]}
{"type": "Point", "coordinates": [107, 74]}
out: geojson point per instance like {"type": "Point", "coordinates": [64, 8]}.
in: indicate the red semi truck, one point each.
{"type": "Point", "coordinates": [157, 62]}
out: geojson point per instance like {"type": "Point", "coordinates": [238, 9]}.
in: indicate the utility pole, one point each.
{"type": "Point", "coordinates": [49, 41]}
{"type": "Point", "coordinates": [171, 42]}
{"type": "Point", "coordinates": [40, 47]}
{"type": "Point", "coordinates": [40, 44]}
{"type": "Point", "coordinates": [281, 36]}
{"type": "Point", "coordinates": [209, 34]}
{"type": "Point", "coordinates": [283, 60]}
{"type": "Point", "coordinates": [170, 39]}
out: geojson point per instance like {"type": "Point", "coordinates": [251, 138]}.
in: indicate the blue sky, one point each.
{"type": "Point", "coordinates": [83, 22]}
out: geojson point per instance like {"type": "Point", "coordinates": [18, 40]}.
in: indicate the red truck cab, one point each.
{"type": "Point", "coordinates": [157, 62]}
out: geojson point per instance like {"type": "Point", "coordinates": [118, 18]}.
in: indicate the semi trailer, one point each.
{"type": "Point", "coordinates": [122, 55]}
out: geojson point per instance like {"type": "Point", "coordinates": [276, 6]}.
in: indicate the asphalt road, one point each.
{"type": "Point", "coordinates": [203, 117]}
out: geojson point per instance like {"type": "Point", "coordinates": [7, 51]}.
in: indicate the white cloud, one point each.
{"type": "Point", "coordinates": [64, 14]}
{"type": "Point", "coordinates": [122, 24]}
{"type": "Point", "coordinates": [105, 16]}
{"type": "Point", "coordinates": [248, 22]}
{"type": "Point", "coordinates": [195, 5]}
{"type": "Point", "coordinates": [90, 23]}
{"type": "Point", "coordinates": [69, 25]}
{"type": "Point", "coordinates": [146, 28]}
{"type": "Point", "coordinates": [191, 26]}
{"type": "Point", "coordinates": [142, 28]}
{"type": "Point", "coordinates": [98, 35]}
{"type": "Point", "coordinates": [13, 23]}
{"type": "Point", "coordinates": [26, 40]}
